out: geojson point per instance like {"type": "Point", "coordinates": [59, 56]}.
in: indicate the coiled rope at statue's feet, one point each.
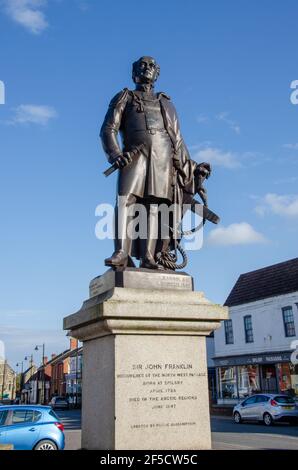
{"type": "Point", "coordinates": [168, 259]}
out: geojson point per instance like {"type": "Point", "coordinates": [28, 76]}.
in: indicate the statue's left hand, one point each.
{"type": "Point", "coordinates": [123, 160]}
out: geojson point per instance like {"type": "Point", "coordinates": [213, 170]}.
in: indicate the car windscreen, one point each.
{"type": "Point", "coordinates": [284, 399]}
{"type": "Point", "coordinates": [60, 400]}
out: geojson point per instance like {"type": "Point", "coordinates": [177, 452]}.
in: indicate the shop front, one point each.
{"type": "Point", "coordinates": [74, 381]}
{"type": "Point", "coordinates": [239, 377]}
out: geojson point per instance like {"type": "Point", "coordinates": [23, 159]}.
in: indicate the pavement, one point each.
{"type": "Point", "coordinates": [226, 435]}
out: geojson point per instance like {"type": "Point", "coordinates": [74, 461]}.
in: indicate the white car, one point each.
{"type": "Point", "coordinates": [59, 402]}
{"type": "Point", "coordinates": [269, 408]}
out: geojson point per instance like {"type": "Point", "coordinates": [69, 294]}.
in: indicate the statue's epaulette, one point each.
{"type": "Point", "coordinates": [119, 98]}
{"type": "Point", "coordinates": [161, 94]}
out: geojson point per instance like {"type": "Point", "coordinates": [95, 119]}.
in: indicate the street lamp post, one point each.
{"type": "Point", "coordinates": [26, 358]}
{"type": "Point", "coordinates": [18, 364]}
{"type": "Point", "coordinates": [43, 371]}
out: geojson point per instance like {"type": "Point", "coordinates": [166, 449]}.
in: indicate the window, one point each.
{"type": "Point", "coordinates": [289, 321]}
{"type": "Point", "coordinates": [229, 332]}
{"type": "Point", "coordinates": [227, 382]}
{"type": "Point", "coordinates": [249, 337]}
{"type": "Point", "coordinates": [285, 400]}
{"type": "Point", "coordinates": [262, 399]}
{"type": "Point", "coordinates": [37, 416]}
{"type": "Point", "coordinates": [3, 415]}
{"type": "Point", "coordinates": [53, 414]}
{"type": "Point", "coordinates": [249, 401]}
{"type": "Point", "coordinates": [25, 416]}
{"type": "Point", "coordinates": [248, 380]}
{"type": "Point", "coordinates": [22, 416]}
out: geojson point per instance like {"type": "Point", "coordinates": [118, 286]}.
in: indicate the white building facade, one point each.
{"type": "Point", "coordinates": [256, 349]}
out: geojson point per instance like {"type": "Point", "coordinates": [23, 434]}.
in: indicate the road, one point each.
{"type": "Point", "coordinates": [72, 425]}
{"type": "Point", "coordinates": [225, 434]}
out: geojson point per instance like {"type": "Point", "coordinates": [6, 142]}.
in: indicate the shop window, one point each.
{"type": "Point", "coordinates": [229, 332]}
{"type": "Point", "coordinates": [249, 337]}
{"type": "Point", "coordinates": [227, 382]}
{"type": "Point", "coordinates": [248, 380]}
{"type": "Point", "coordinates": [294, 380]}
{"type": "Point", "coordinates": [289, 324]}
{"type": "Point", "coordinates": [269, 382]}
{"type": "Point", "coordinates": [284, 377]}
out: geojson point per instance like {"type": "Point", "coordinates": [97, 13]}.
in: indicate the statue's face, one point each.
{"type": "Point", "coordinates": [146, 70]}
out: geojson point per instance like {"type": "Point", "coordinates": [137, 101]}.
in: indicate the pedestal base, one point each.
{"type": "Point", "coordinates": [145, 380]}
{"type": "Point", "coordinates": [145, 392]}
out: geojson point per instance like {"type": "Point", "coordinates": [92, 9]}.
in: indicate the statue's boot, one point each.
{"type": "Point", "coordinates": [120, 258]}
{"type": "Point", "coordinates": [148, 261]}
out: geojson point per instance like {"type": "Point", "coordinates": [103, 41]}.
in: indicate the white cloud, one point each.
{"type": "Point", "coordinates": [33, 114]}
{"type": "Point", "coordinates": [202, 118]}
{"type": "Point", "coordinates": [291, 146]}
{"type": "Point", "coordinates": [283, 205]}
{"type": "Point", "coordinates": [223, 116]}
{"type": "Point", "coordinates": [218, 157]}
{"type": "Point", "coordinates": [235, 234]}
{"type": "Point", "coordinates": [27, 13]}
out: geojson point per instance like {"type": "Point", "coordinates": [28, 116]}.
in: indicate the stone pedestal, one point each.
{"type": "Point", "coordinates": [144, 361]}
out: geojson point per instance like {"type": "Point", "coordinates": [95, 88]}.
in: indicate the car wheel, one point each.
{"type": "Point", "coordinates": [268, 420]}
{"type": "Point", "coordinates": [46, 445]}
{"type": "Point", "coordinates": [237, 417]}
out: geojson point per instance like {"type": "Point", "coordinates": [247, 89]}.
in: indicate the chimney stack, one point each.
{"type": "Point", "coordinates": [73, 343]}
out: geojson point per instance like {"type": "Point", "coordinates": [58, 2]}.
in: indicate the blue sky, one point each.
{"type": "Point", "coordinates": [227, 65]}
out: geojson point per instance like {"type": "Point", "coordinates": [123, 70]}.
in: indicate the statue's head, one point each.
{"type": "Point", "coordinates": [145, 70]}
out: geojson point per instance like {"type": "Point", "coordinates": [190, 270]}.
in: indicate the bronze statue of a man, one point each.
{"type": "Point", "coordinates": [148, 125]}
{"type": "Point", "coordinates": [142, 117]}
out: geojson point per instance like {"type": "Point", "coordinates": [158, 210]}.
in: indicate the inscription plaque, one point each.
{"type": "Point", "coordinates": [140, 279]}
{"type": "Point", "coordinates": [161, 394]}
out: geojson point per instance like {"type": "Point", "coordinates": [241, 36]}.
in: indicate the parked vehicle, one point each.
{"type": "Point", "coordinates": [59, 403]}
{"type": "Point", "coordinates": [31, 427]}
{"type": "Point", "coordinates": [269, 408]}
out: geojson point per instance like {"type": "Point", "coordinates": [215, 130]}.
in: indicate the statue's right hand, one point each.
{"type": "Point", "coordinates": [123, 160]}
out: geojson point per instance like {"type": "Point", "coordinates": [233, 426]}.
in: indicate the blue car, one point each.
{"type": "Point", "coordinates": [31, 427]}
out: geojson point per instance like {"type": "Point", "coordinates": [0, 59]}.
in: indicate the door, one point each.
{"type": "Point", "coordinates": [22, 430]}
{"type": "Point", "coordinates": [261, 402]}
{"type": "Point", "coordinates": [269, 380]}
{"type": "Point", "coordinates": [248, 408]}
